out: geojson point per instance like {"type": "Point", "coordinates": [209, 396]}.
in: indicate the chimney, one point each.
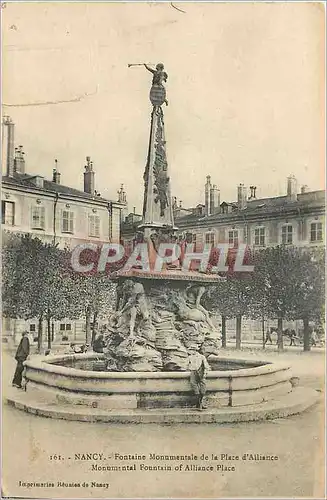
{"type": "Point", "coordinates": [252, 193]}
{"type": "Point", "coordinates": [304, 189]}
{"type": "Point", "coordinates": [8, 146]}
{"type": "Point", "coordinates": [19, 161]}
{"type": "Point", "coordinates": [291, 187]}
{"type": "Point", "coordinates": [207, 191]}
{"type": "Point", "coordinates": [241, 197]}
{"type": "Point", "coordinates": [122, 195]}
{"type": "Point", "coordinates": [89, 176]}
{"type": "Point", "coordinates": [214, 200]}
{"type": "Point", "coordinates": [56, 174]}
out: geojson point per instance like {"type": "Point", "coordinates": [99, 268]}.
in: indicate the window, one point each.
{"type": "Point", "coordinates": [94, 226]}
{"type": "Point", "coordinates": [316, 231]}
{"type": "Point", "coordinates": [38, 220]}
{"type": "Point", "coordinates": [210, 238]}
{"type": "Point", "coordinates": [233, 237]}
{"type": "Point", "coordinates": [287, 234]}
{"type": "Point", "coordinates": [259, 236]}
{"type": "Point", "coordinates": [8, 213]}
{"type": "Point", "coordinates": [67, 221]}
{"type": "Point", "coordinates": [32, 328]}
{"type": "Point", "coordinates": [65, 327]}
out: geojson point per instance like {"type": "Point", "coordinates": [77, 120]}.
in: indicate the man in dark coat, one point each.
{"type": "Point", "coordinates": [99, 344]}
{"type": "Point", "coordinates": [22, 353]}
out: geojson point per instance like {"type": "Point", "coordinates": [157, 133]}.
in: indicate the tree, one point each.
{"type": "Point", "coordinates": [308, 298]}
{"type": "Point", "coordinates": [217, 300]}
{"type": "Point", "coordinates": [33, 282]}
{"type": "Point", "coordinates": [261, 287]}
{"type": "Point", "coordinates": [92, 294]}
{"type": "Point", "coordinates": [231, 299]}
{"type": "Point", "coordinates": [288, 284]}
{"type": "Point", "coordinates": [92, 297]}
{"type": "Point", "coordinates": [274, 282]}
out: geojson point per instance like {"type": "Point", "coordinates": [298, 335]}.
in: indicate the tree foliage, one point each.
{"type": "Point", "coordinates": [287, 284]}
{"type": "Point", "coordinates": [38, 282]}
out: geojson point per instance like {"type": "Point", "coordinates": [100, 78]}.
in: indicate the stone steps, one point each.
{"type": "Point", "coordinates": [298, 400]}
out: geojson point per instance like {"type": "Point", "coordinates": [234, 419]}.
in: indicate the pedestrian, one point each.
{"type": "Point", "coordinates": [99, 344]}
{"type": "Point", "coordinates": [314, 338]}
{"type": "Point", "coordinates": [268, 336]}
{"type": "Point", "coordinates": [22, 354]}
{"type": "Point", "coordinates": [198, 366]}
{"type": "Point", "coordinates": [292, 336]}
{"type": "Point", "coordinates": [85, 348]}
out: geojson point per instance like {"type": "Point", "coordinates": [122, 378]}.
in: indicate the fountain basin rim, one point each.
{"type": "Point", "coordinates": [46, 364]}
{"type": "Point", "coordinates": [169, 275]}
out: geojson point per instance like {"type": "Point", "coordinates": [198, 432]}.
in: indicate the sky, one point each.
{"type": "Point", "coordinates": [245, 90]}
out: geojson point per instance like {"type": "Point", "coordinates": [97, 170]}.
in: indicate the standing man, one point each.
{"type": "Point", "coordinates": [22, 353]}
{"type": "Point", "coordinates": [314, 338]}
{"type": "Point", "coordinates": [198, 366]}
{"type": "Point", "coordinates": [268, 336]}
{"type": "Point", "coordinates": [99, 343]}
{"type": "Point", "coordinates": [292, 335]}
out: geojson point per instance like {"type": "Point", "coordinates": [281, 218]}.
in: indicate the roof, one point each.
{"type": "Point", "coordinates": [25, 180]}
{"type": "Point", "coordinates": [311, 199]}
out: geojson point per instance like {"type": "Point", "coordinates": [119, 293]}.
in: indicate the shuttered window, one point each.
{"type": "Point", "coordinates": [94, 226]}
{"type": "Point", "coordinates": [233, 237]}
{"type": "Point", "coordinates": [316, 231]}
{"type": "Point", "coordinates": [67, 221]}
{"type": "Point", "coordinates": [8, 213]}
{"type": "Point", "coordinates": [287, 234]}
{"type": "Point", "coordinates": [38, 218]}
{"type": "Point", "coordinates": [260, 236]}
{"type": "Point", "coordinates": [210, 238]}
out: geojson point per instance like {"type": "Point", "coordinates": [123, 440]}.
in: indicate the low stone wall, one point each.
{"type": "Point", "coordinates": [250, 385]}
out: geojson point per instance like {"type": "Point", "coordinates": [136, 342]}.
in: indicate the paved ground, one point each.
{"type": "Point", "coordinates": [29, 442]}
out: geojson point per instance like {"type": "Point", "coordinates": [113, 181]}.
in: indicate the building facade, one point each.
{"type": "Point", "coordinates": [297, 218]}
{"type": "Point", "coordinates": [53, 212]}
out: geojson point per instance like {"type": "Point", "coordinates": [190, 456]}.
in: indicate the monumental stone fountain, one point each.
{"type": "Point", "coordinates": [159, 320]}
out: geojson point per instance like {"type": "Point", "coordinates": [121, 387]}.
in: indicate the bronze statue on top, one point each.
{"type": "Point", "coordinates": [158, 91]}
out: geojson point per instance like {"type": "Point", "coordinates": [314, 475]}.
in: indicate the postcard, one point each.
{"type": "Point", "coordinates": [163, 242]}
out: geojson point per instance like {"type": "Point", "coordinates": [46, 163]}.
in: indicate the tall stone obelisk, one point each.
{"type": "Point", "coordinates": [157, 204]}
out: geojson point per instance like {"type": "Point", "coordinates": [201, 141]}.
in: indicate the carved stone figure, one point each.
{"type": "Point", "coordinates": [160, 167]}
{"type": "Point", "coordinates": [133, 304]}
{"type": "Point", "coordinates": [156, 328]}
{"type": "Point", "coordinates": [193, 295]}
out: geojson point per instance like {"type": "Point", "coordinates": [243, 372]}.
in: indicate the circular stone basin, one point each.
{"type": "Point", "coordinates": [75, 379]}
